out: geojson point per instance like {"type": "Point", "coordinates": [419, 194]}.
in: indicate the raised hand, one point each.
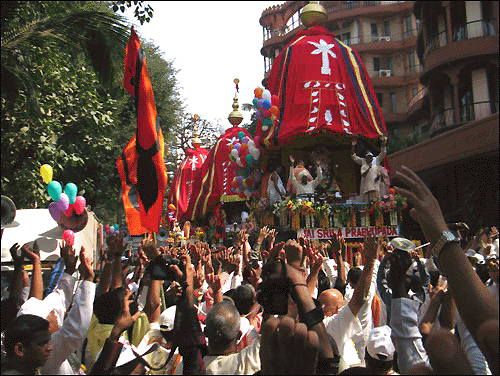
{"type": "Point", "coordinates": [120, 245]}
{"type": "Point", "coordinates": [213, 280]}
{"type": "Point", "coordinates": [85, 267]}
{"type": "Point", "coordinates": [426, 211]}
{"type": "Point", "coordinates": [262, 234]}
{"type": "Point", "coordinates": [369, 248]}
{"type": "Point", "coordinates": [18, 259]}
{"type": "Point", "coordinates": [69, 256]}
{"type": "Point", "coordinates": [27, 252]}
{"type": "Point", "coordinates": [125, 320]}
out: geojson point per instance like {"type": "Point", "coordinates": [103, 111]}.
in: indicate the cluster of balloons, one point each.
{"type": "Point", "coordinates": [267, 107]}
{"type": "Point", "coordinates": [112, 230]}
{"type": "Point", "coordinates": [244, 152]}
{"type": "Point", "coordinates": [63, 202]}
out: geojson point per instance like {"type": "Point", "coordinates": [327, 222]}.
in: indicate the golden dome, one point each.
{"type": "Point", "coordinates": [313, 14]}
{"type": "Point", "coordinates": [196, 142]}
{"type": "Point", "coordinates": [235, 117]}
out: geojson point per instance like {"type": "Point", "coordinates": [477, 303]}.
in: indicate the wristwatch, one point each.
{"type": "Point", "coordinates": [445, 238]}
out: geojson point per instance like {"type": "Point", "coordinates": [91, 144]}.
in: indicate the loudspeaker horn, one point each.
{"type": "Point", "coordinates": [8, 211]}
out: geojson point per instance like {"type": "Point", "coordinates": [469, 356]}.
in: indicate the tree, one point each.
{"type": "Point", "coordinates": [252, 126]}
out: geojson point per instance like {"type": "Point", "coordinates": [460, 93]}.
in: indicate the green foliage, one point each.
{"type": "Point", "coordinates": [64, 103]}
{"type": "Point", "coordinates": [143, 12]}
{"type": "Point", "coordinates": [396, 144]}
{"type": "Point", "coordinates": [252, 126]}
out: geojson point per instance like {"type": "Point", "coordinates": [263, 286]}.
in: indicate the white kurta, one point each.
{"type": "Point", "coordinates": [368, 181]}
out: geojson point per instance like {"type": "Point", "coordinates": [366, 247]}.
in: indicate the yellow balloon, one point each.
{"type": "Point", "coordinates": [46, 172]}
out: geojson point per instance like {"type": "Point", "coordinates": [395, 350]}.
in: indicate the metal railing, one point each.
{"type": "Point", "coordinates": [469, 112]}
{"type": "Point", "coordinates": [410, 33]}
{"type": "Point", "coordinates": [438, 40]}
{"type": "Point", "coordinates": [474, 29]}
{"type": "Point", "coordinates": [420, 94]}
{"type": "Point", "coordinates": [413, 69]}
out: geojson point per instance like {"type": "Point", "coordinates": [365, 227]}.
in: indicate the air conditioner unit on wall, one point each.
{"type": "Point", "coordinates": [385, 39]}
{"type": "Point", "coordinates": [385, 73]}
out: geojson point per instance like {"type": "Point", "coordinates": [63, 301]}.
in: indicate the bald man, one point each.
{"type": "Point", "coordinates": [341, 320]}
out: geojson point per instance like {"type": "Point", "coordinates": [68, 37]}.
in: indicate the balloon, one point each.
{"type": "Point", "coordinates": [255, 102]}
{"type": "Point", "coordinates": [245, 172]}
{"type": "Point", "coordinates": [69, 237]}
{"type": "Point", "coordinates": [117, 232]}
{"type": "Point", "coordinates": [244, 140]}
{"type": "Point", "coordinates": [237, 147]}
{"type": "Point", "coordinates": [54, 188]}
{"type": "Point", "coordinates": [71, 190]}
{"type": "Point", "coordinates": [63, 203]}
{"type": "Point", "coordinates": [235, 183]}
{"type": "Point", "coordinates": [234, 153]}
{"type": "Point", "coordinates": [275, 100]}
{"type": "Point", "coordinates": [257, 154]}
{"type": "Point", "coordinates": [69, 212]}
{"type": "Point", "coordinates": [266, 113]}
{"type": "Point", "coordinates": [266, 104]}
{"type": "Point", "coordinates": [249, 182]}
{"type": "Point", "coordinates": [248, 193]}
{"type": "Point", "coordinates": [230, 147]}
{"type": "Point", "coordinates": [258, 92]}
{"type": "Point", "coordinates": [261, 103]}
{"type": "Point", "coordinates": [108, 230]}
{"type": "Point", "coordinates": [273, 118]}
{"type": "Point", "coordinates": [116, 226]}
{"type": "Point", "coordinates": [80, 203]}
{"type": "Point", "coordinates": [251, 143]}
{"type": "Point", "coordinates": [266, 94]}
{"type": "Point", "coordinates": [243, 147]}
{"type": "Point", "coordinates": [250, 159]}
{"type": "Point", "coordinates": [257, 176]}
{"type": "Point", "coordinates": [241, 135]}
{"type": "Point", "coordinates": [259, 115]}
{"type": "Point", "coordinates": [238, 162]}
{"type": "Point", "coordinates": [46, 172]}
{"type": "Point", "coordinates": [54, 211]}
{"type": "Point", "coordinates": [275, 110]}
{"type": "Point", "coordinates": [240, 179]}
{"type": "Point", "coordinates": [265, 128]}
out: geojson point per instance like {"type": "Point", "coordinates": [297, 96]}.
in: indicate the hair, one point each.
{"type": "Point", "coordinates": [353, 275]}
{"type": "Point", "coordinates": [244, 298]}
{"type": "Point", "coordinates": [108, 306]}
{"type": "Point", "coordinates": [222, 325]}
{"type": "Point", "coordinates": [378, 366]}
{"type": "Point", "coordinates": [323, 282]}
{"type": "Point", "coordinates": [24, 329]}
{"type": "Point", "coordinates": [9, 309]}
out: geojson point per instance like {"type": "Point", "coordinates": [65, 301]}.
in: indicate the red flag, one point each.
{"type": "Point", "coordinates": [151, 170]}
{"type": "Point", "coordinates": [127, 168]}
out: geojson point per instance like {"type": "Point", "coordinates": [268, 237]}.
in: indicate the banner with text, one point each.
{"type": "Point", "coordinates": [348, 232]}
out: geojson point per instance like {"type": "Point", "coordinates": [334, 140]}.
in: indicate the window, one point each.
{"type": "Point", "coordinates": [374, 30]}
{"type": "Point", "coordinates": [389, 64]}
{"type": "Point", "coordinates": [387, 29]}
{"type": "Point", "coordinates": [346, 38]}
{"type": "Point", "coordinates": [411, 62]}
{"type": "Point", "coordinates": [395, 132]}
{"type": "Point", "coordinates": [380, 99]}
{"type": "Point", "coordinates": [465, 97]}
{"type": "Point", "coordinates": [376, 64]}
{"type": "Point", "coordinates": [393, 102]}
{"type": "Point", "coordinates": [408, 24]}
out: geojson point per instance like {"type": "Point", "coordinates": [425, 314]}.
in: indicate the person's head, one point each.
{"type": "Point", "coordinates": [369, 157]}
{"type": "Point", "coordinates": [244, 298]}
{"type": "Point", "coordinates": [303, 177]}
{"type": "Point", "coordinates": [27, 341]}
{"type": "Point", "coordinates": [10, 308]}
{"type": "Point", "coordinates": [108, 306]}
{"type": "Point", "coordinates": [332, 300]}
{"type": "Point", "coordinates": [379, 350]}
{"type": "Point", "coordinates": [353, 276]}
{"type": "Point", "coordinates": [300, 162]}
{"type": "Point", "coordinates": [492, 267]}
{"type": "Point", "coordinates": [44, 310]}
{"type": "Point", "coordinates": [293, 252]}
{"type": "Point", "coordinates": [222, 327]}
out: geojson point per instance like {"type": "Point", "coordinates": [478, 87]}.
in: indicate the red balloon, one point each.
{"type": "Point", "coordinates": [243, 147]}
{"type": "Point", "coordinates": [275, 100]}
{"type": "Point", "coordinates": [69, 237]}
{"type": "Point", "coordinates": [69, 212]}
{"type": "Point", "coordinates": [266, 113]}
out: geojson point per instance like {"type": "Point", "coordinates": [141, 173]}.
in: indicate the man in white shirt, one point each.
{"type": "Point", "coordinates": [275, 188]}
{"type": "Point", "coordinates": [304, 187]}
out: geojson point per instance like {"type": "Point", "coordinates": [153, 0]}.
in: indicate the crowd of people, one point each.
{"type": "Point", "coordinates": [263, 306]}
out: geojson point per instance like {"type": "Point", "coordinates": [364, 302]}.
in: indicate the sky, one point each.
{"type": "Point", "coordinates": [211, 43]}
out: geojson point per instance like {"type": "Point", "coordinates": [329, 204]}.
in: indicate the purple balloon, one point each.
{"type": "Point", "coordinates": [54, 211]}
{"type": "Point", "coordinates": [244, 140]}
{"type": "Point", "coordinates": [261, 103]}
{"type": "Point", "coordinates": [117, 232]}
{"type": "Point", "coordinates": [237, 147]}
{"type": "Point", "coordinates": [63, 203]}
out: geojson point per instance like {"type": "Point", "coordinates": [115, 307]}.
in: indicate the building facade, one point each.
{"type": "Point", "coordinates": [434, 68]}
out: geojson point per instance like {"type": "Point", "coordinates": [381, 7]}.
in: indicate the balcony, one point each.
{"type": "Point", "coordinates": [445, 120]}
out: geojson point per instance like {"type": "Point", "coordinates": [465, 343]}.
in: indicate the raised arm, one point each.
{"type": "Point", "coordinates": [383, 150]}
{"type": "Point", "coordinates": [362, 289]}
{"type": "Point", "coordinates": [354, 157]}
{"type": "Point", "coordinates": [468, 291]}
{"type": "Point", "coordinates": [319, 175]}
{"type": "Point", "coordinates": [36, 289]}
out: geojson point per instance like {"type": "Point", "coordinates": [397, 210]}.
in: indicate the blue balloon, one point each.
{"type": "Point", "coordinates": [266, 105]}
{"type": "Point", "coordinates": [261, 103]}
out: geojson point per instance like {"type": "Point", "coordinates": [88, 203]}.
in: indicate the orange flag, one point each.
{"type": "Point", "coordinates": [151, 171]}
